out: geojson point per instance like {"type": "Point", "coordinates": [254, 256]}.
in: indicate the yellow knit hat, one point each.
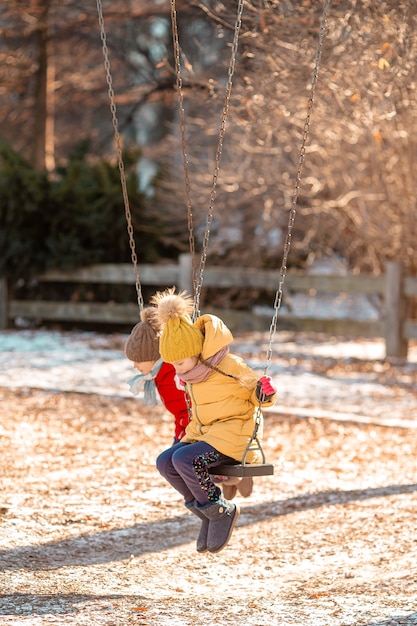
{"type": "Point", "coordinates": [180, 338]}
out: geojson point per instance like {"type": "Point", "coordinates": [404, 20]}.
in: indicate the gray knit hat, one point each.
{"type": "Point", "coordinates": [143, 342]}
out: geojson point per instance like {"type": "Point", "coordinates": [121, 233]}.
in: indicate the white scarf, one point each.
{"type": "Point", "coordinates": [146, 383]}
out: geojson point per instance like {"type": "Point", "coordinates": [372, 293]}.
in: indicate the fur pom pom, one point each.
{"type": "Point", "coordinates": [150, 316]}
{"type": "Point", "coordinates": [171, 305]}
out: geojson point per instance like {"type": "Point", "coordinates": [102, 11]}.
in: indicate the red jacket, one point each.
{"type": "Point", "coordinates": [173, 398]}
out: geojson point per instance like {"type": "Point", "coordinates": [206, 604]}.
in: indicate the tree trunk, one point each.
{"type": "Point", "coordinates": [43, 141]}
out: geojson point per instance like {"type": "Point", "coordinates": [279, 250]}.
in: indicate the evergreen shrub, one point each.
{"type": "Point", "coordinates": [72, 218]}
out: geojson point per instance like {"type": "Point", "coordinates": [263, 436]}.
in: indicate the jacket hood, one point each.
{"type": "Point", "coordinates": [215, 332]}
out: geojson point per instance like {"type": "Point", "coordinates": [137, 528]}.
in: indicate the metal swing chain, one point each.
{"type": "Point", "coordinates": [254, 441]}
{"type": "Point", "coordinates": [118, 144]}
{"type": "Point", "coordinates": [291, 219]}
{"type": "Point", "coordinates": [198, 274]}
{"type": "Point", "coordinates": [183, 141]}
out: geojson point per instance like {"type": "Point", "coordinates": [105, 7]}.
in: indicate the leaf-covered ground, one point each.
{"type": "Point", "coordinates": [90, 534]}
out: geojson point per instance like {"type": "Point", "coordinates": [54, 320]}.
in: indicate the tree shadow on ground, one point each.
{"type": "Point", "coordinates": [50, 604]}
{"type": "Point", "coordinates": [58, 604]}
{"type": "Point", "coordinates": [323, 498]}
{"type": "Point", "coordinates": [394, 620]}
{"type": "Point", "coordinates": [121, 543]}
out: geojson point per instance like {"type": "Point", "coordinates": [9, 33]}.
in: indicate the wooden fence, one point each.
{"type": "Point", "coordinates": [394, 288]}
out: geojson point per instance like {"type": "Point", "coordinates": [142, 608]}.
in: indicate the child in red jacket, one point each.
{"type": "Point", "coordinates": [142, 347]}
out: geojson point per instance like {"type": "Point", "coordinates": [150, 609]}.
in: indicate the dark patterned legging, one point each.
{"type": "Point", "coordinates": [186, 467]}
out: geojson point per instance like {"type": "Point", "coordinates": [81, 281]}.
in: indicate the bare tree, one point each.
{"type": "Point", "coordinates": [357, 196]}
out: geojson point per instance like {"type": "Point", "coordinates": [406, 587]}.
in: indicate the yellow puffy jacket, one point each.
{"type": "Point", "coordinates": [223, 408]}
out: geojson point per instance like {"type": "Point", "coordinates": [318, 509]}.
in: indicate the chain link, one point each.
{"type": "Point", "coordinates": [198, 273]}
{"type": "Point", "coordinates": [119, 152]}
{"type": "Point", "coordinates": [292, 214]}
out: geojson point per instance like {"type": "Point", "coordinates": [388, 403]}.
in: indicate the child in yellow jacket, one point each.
{"type": "Point", "coordinates": [225, 397]}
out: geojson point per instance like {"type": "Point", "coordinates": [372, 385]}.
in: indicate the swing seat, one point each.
{"type": "Point", "coordinates": [243, 469]}
{"type": "Point", "coordinates": [247, 469]}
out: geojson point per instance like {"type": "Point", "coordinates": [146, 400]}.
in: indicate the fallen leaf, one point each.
{"type": "Point", "coordinates": [383, 63]}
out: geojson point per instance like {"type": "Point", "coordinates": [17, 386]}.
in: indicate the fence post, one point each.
{"type": "Point", "coordinates": [185, 280]}
{"type": "Point", "coordinates": [4, 306]}
{"type": "Point", "coordinates": [395, 310]}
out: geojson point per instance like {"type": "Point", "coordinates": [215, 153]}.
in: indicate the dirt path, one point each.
{"type": "Point", "coordinates": [91, 535]}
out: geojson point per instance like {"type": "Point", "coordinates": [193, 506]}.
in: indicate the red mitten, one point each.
{"type": "Point", "coordinates": [265, 389]}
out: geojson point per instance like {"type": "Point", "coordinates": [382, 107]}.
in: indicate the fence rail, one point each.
{"type": "Point", "coordinates": [394, 288]}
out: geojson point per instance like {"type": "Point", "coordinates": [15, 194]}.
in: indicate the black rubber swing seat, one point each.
{"type": "Point", "coordinates": [246, 469]}
{"type": "Point", "coordinates": [243, 468]}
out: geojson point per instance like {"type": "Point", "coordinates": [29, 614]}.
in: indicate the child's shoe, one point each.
{"type": "Point", "coordinates": [245, 486]}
